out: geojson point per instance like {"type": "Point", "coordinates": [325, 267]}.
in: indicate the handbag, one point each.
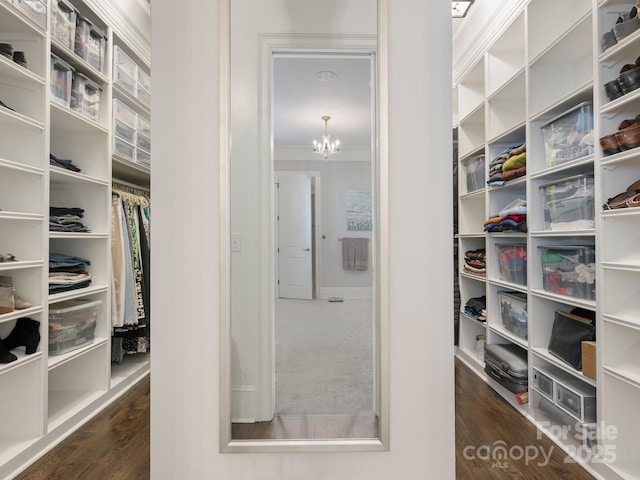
{"type": "Point", "coordinates": [569, 330]}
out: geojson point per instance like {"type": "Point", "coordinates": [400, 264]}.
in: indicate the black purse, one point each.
{"type": "Point", "coordinates": [569, 330]}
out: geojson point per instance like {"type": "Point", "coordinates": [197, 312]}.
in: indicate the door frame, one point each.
{"type": "Point", "coordinates": [316, 254]}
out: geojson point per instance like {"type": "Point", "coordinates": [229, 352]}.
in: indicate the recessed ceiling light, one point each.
{"type": "Point", "coordinates": [326, 76]}
{"type": "Point", "coordinates": [460, 9]}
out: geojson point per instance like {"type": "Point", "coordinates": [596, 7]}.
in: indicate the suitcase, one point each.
{"type": "Point", "coordinates": [507, 364]}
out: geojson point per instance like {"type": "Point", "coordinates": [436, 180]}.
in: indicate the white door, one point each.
{"type": "Point", "coordinates": [294, 237]}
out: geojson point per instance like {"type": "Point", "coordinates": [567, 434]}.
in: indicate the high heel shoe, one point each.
{"type": "Point", "coordinates": [5, 355]}
{"type": "Point", "coordinates": [26, 334]}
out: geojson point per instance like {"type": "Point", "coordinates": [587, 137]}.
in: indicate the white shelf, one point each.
{"type": "Point", "coordinates": [61, 175]}
{"type": "Point", "coordinates": [59, 360]}
{"type": "Point", "coordinates": [576, 302]}
{"type": "Point", "coordinates": [503, 332]}
{"type": "Point", "coordinates": [621, 157]}
{"type": "Point", "coordinates": [624, 48]}
{"type": "Point", "coordinates": [66, 120]}
{"type": "Point", "coordinates": [565, 169]}
{"type": "Point", "coordinates": [464, 315]}
{"type": "Point", "coordinates": [21, 265]}
{"type": "Point", "coordinates": [544, 354]}
{"type": "Point", "coordinates": [562, 233]}
{"type": "Point", "coordinates": [79, 293]}
{"type": "Point", "coordinates": [21, 216]}
{"type": "Point", "coordinates": [132, 366]}
{"type": "Point", "coordinates": [14, 119]}
{"type": "Point", "coordinates": [23, 359]}
{"type": "Point", "coordinates": [12, 21]}
{"type": "Point", "coordinates": [77, 62]}
{"type": "Point", "coordinates": [18, 76]}
{"type": "Point", "coordinates": [19, 167]}
{"type": "Point", "coordinates": [478, 278]}
{"type": "Point", "coordinates": [87, 236]}
{"type": "Point", "coordinates": [65, 404]}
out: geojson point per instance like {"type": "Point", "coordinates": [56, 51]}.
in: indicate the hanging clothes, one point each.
{"type": "Point", "coordinates": [130, 246]}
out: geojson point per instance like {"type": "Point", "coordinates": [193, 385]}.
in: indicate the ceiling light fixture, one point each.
{"type": "Point", "coordinates": [326, 76]}
{"type": "Point", "coordinates": [326, 147]}
{"type": "Point", "coordinates": [460, 9]}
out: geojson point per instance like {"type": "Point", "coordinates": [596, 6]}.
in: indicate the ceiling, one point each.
{"type": "Point", "coordinates": [301, 99]}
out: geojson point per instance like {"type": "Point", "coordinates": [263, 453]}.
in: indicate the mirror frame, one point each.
{"type": "Point", "coordinates": [380, 53]}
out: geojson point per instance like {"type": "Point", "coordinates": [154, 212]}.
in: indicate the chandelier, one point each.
{"type": "Point", "coordinates": [326, 147]}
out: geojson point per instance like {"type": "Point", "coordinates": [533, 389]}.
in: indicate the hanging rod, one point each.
{"type": "Point", "coordinates": [340, 238]}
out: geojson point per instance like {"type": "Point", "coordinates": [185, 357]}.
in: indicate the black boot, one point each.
{"type": "Point", "coordinates": [5, 355]}
{"type": "Point", "coordinates": [25, 334]}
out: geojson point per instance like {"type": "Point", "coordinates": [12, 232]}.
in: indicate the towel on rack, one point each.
{"type": "Point", "coordinates": [349, 253]}
{"type": "Point", "coordinates": [362, 254]}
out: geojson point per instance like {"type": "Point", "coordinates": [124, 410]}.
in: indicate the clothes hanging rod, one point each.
{"type": "Point", "coordinates": [115, 183]}
{"type": "Point", "coordinates": [340, 238]}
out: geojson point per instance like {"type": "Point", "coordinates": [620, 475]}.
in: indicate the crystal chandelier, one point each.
{"type": "Point", "coordinates": [326, 147]}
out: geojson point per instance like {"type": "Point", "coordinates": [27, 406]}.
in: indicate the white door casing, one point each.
{"type": "Point", "coordinates": [294, 237]}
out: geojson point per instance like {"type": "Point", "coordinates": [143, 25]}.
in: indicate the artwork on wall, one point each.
{"type": "Point", "coordinates": [359, 211]}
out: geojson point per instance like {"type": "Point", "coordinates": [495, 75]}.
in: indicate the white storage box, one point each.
{"type": "Point", "coordinates": [122, 61]}
{"type": "Point", "coordinates": [144, 126]}
{"type": "Point", "coordinates": [61, 81]}
{"type": "Point", "coordinates": [124, 149]}
{"type": "Point", "coordinates": [143, 158]}
{"type": "Point", "coordinates": [569, 136]}
{"type": "Point", "coordinates": [63, 22]}
{"type": "Point", "coordinates": [90, 43]}
{"type": "Point", "coordinates": [85, 96]}
{"type": "Point", "coordinates": [569, 203]}
{"type": "Point", "coordinates": [72, 324]}
{"type": "Point", "coordinates": [125, 81]}
{"type": "Point", "coordinates": [513, 311]}
{"type": "Point", "coordinates": [124, 121]}
{"type": "Point", "coordinates": [36, 10]}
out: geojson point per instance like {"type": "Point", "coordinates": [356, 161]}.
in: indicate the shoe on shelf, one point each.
{"type": "Point", "coordinates": [18, 302]}
{"type": "Point", "coordinates": [7, 257]}
{"type": "Point", "coordinates": [613, 90]}
{"type": "Point", "coordinates": [7, 299]}
{"type": "Point", "coordinates": [629, 137]}
{"type": "Point", "coordinates": [6, 49]}
{"type": "Point", "coordinates": [608, 40]}
{"type": "Point", "coordinates": [626, 26]}
{"type": "Point", "coordinates": [20, 58]}
{"type": "Point", "coordinates": [26, 333]}
{"type": "Point", "coordinates": [629, 78]}
{"type": "Point", "coordinates": [5, 355]}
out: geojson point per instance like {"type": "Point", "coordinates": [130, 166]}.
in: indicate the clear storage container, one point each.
{"type": "Point", "coordinates": [124, 121]}
{"type": "Point", "coordinates": [63, 22]}
{"type": "Point", "coordinates": [72, 324]}
{"type": "Point", "coordinates": [143, 158]}
{"type": "Point", "coordinates": [144, 96]}
{"type": "Point", "coordinates": [36, 10]}
{"type": "Point", "coordinates": [569, 203]}
{"type": "Point", "coordinates": [125, 81]}
{"type": "Point", "coordinates": [577, 399]}
{"type": "Point", "coordinates": [124, 149]}
{"type": "Point", "coordinates": [144, 80]}
{"type": "Point", "coordinates": [143, 142]}
{"type": "Point", "coordinates": [569, 136]}
{"type": "Point", "coordinates": [569, 270]}
{"type": "Point", "coordinates": [512, 262]}
{"type": "Point", "coordinates": [122, 61]}
{"type": "Point", "coordinates": [61, 81]}
{"type": "Point", "coordinates": [543, 383]}
{"type": "Point", "coordinates": [85, 96]}
{"type": "Point", "coordinates": [90, 43]}
{"type": "Point", "coordinates": [513, 311]}
{"type": "Point", "coordinates": [144, 126]}
{"type": "Point", "coordinates": [474, 172]}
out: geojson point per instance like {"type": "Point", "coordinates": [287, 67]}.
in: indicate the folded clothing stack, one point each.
{"type": "Point", "coordinates": [477, 308]}
{"type": "Point", "coordinates": [67, 273]}
{"type": "Point", "coordinates": [475, 261]}
{"type": "Point", "coordinates": [63, 219]}
{"type": "Point", "coordinates": [512, 217]}
{"type": "Point", "coordinates": [509, 164]}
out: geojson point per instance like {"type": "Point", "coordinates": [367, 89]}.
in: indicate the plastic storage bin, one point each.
{"type": "Point", "coordinates": [144, 80]}
{"type": "Point", "coordinates": [72, 324]}
{"type": "Point", "coordinates": [474, 171]}
{"type": "Point", "coordinates": [144, 126]}
{"type": "Point", "coordinates": [569, 204]}
{"type": "Point", "coordinates": [90, 43]}
{"type": "Point", "coordinates": [63, 22]}
{"type": "Point", "coordinates": [125, 81]}
{"type": "Point", "coordinates": [143, 158]}
{"type": "Point", "coordinates": [85, 96]}
{"type": "Point", "coordinates": [569, 270]}
{"type": "Point", "coordinates": [144, 96]}
{"type": "Point", "coordinates": [513, 311]}
{"type": "Point", "coordinates": [124, 121]}
{"type": "Point", "coordinates": [512, 262]}
{"type": "Point", "coordinates": [143, 142]}
{"type": "Point", "coordinates": [61, 81]}
{"type": "Point", "coordinates": [36, 10]}
{"type": "Point", "coordinates": [123, 62]}
{"type": "Point", "coordinates": [124, 149]}
{"type": "Point", "coordinates": [543, 383]}
{"type": "Point", "coordinates": [569, 136]}
{"type": "Point", "coordinates": [577, 399]}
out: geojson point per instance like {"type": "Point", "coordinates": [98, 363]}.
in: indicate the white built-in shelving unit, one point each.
{"type": "Point", "coordinates": [547, 60]}
{"type": "Point", "coordinates": [43, 397]}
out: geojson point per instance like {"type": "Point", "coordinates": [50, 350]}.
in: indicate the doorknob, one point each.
{"type": "Point", "coordinates": [307, 249]}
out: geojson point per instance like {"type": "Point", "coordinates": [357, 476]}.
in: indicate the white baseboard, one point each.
{"type": "Point", "coordinates": [243, 403]}
{"type": "Point", "coordinates": [346, 292]}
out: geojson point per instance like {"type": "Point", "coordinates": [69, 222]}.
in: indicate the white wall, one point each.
{"type": "Point", "coordinates": [185, 289]}
{"type": "Point", "coordinates": [336, 178]}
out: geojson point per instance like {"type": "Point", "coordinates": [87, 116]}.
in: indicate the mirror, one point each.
{"type": "Point", "coordinates": [303, 334]}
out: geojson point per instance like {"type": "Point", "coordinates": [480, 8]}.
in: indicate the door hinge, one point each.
{"type": "Point", "coordinates": [278, 281]}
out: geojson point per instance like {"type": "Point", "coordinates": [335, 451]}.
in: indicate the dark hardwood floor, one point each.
{"type": "Point", "coordinates": [115, 444]}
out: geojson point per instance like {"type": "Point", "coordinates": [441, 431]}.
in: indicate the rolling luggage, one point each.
{"type": "Point", "coordinates": [507, 364]}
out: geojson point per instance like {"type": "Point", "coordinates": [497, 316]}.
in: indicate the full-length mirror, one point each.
{"type": "Point", "coordinates": [304, 260]}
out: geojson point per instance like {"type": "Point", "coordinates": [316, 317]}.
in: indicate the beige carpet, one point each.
{"type": "Point", "coordinates": [324, 357]}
